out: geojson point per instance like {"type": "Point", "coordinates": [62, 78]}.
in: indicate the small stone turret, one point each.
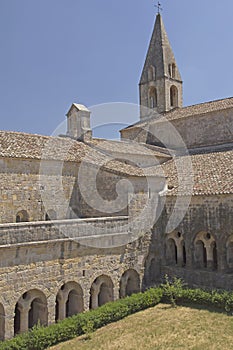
{"type": "Point", "coordinates": [78, 123]}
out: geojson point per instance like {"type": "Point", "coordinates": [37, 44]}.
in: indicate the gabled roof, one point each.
{"type": "Point", "coordinates": [79, 107]}
{"type": "Point", "coordinates": [17, 145]}
{"type": "Point", "coordinates": [185, 112]}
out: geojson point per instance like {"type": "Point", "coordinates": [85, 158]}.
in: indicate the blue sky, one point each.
{"type": "Point", "coordinates": [55, 52]}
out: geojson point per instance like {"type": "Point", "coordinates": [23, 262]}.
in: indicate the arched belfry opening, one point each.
{"type": "Point", "coordinates": [173, 72]}
{"type": "Point", "coordinates": [151, 73]}
{"type": "Point", "coordinates": [173, 96]}
{"type": "Point", "coordinates": [152, 98]}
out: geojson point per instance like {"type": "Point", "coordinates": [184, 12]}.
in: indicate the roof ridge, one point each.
{"type": "Point", "coordinates": [199, 104]}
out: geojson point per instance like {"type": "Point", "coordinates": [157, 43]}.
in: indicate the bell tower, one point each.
{"type": "Point", "coordinates": [160, 85]}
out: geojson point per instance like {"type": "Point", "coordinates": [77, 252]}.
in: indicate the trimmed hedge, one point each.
{"type": "Point", "coordinates": [219, 299]}
{"type": "Point", "coordinates": [175, 292]}
{"type": "Point", "coordinates": [40, 338]}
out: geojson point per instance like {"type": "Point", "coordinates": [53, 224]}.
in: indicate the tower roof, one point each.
{"type": "Point", "coordinates": [159, 54]}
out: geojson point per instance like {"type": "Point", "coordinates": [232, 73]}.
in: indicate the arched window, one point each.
{"type": "Point", "coordinates": [173, 70]}
{"type": "Point", "coordinates": [22, 216]}
{"type": "Point", "coordinates": [151, 73]}
{"type": "Point", "coordinates": [152, 97]}
{"type": "Point", "coordinates": [170, 70]}
{"type": "Point", "coordinates": [174, 96]}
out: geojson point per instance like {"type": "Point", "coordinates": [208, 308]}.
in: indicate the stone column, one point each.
{"type": "Point", "coordinates": [51, 309]}
{"type": "Point", "coordinates": [23, 318]}
{"type": "Point", "coordinates": [94, 296]}
{"type": "Point", "coordinates": [209, 253]}
{"type": "Point", "coordinates": [61, 308]}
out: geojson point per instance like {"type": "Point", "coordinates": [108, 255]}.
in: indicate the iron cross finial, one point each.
{"type": "Point", "coordinates": [159, 7]}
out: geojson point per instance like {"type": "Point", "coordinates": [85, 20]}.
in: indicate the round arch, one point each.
{"type": "Point", "coordinates": [69, 300]}
{"type": "Point", "coordinates": [205, 251]}
{"type": "Point", "coordinates": [101, 291]}
{"type": "Point", "coordinates": [30, 310]}
{"type": "Point", "coordinates": [129, 283]}
{"type": "Point", "coordinates": [22, 216]}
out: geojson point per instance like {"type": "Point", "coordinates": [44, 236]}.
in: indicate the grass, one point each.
{"type": "Point", "coordinates": [161, 328]}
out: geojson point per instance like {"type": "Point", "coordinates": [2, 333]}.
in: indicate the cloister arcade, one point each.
{"type": "Point", "coordinates": [32, 307]}
{"type": "Point", "coordinates": [204, 252]}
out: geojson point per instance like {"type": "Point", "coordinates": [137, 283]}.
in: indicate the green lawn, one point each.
{"type": "Point", "coordinates": [161, 328]}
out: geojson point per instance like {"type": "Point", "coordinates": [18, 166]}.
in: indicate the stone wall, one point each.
{"type": "Point", "coordinates": [210, 129]}
{"type": "Point", "coordinates": [207, 130]}
{"type": "Point", "coordinates": [26, 187]}
{"type": "Point", "coordinates": [38, 259]}
{"type": "Point", "coordinates": [208, 220]}
{"type": "Point", "coordinates": [21, 188]}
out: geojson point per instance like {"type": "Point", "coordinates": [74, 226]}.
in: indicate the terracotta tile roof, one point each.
{"type": "Point", "coordinates": [30, 146]}
{"type": "Point", "coordinates": [184, 112]}
{"type": "Point", "coordinates": [212, 173]}
{"type": "Point", "coordinates": [112, 147]}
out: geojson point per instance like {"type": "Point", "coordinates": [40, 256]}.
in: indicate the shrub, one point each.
{"type": "Point", "coordinates": [172, 289]}
{"type": "Point", "coordinates": [175, 291]}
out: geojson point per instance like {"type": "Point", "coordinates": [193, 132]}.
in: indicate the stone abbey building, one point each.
{"type": "Point", "coordinates": [85, 220]}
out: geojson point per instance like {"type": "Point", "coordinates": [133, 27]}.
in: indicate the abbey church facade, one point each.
{"type": "Point", "coordinates": [85, 221]}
